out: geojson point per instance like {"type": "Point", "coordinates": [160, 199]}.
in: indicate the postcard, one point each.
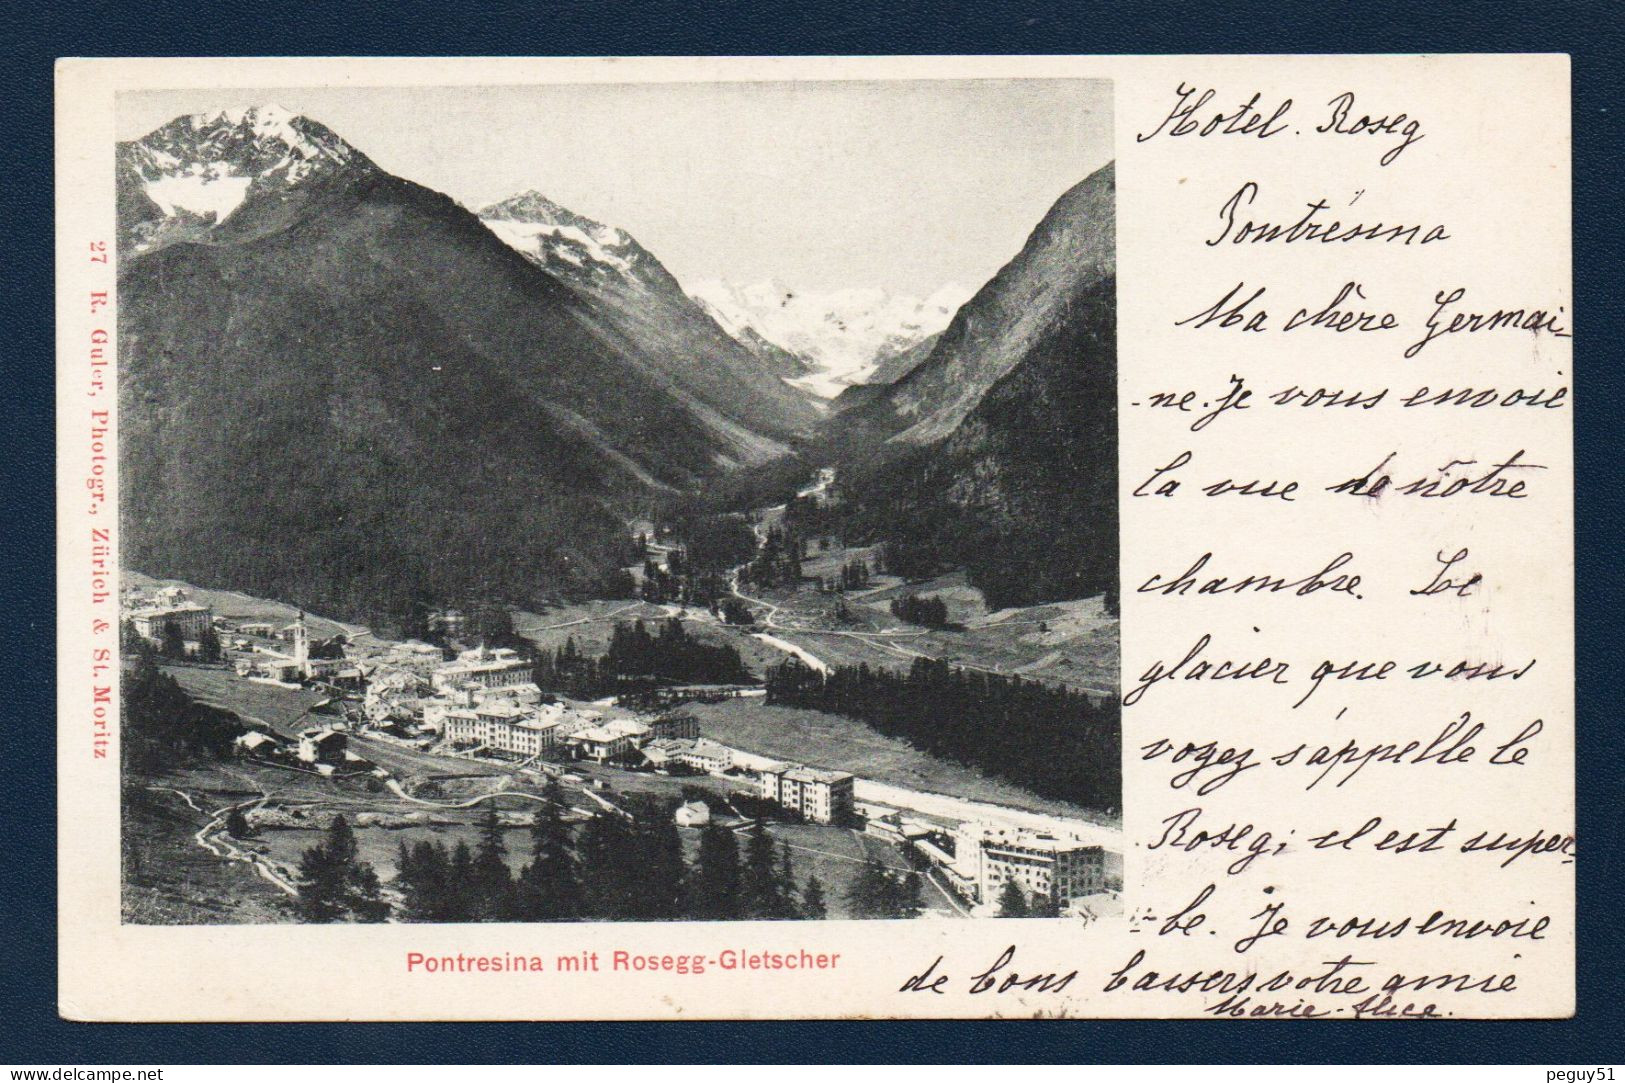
{"type": "Point", "coordinates": [731, 538]}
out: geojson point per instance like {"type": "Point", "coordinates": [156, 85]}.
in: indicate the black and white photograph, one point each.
{"type": "Point", "coordinates": [619, 502]}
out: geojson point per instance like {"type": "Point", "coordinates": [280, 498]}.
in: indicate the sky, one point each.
{"type": "Point", "coordinates": [904, 186]}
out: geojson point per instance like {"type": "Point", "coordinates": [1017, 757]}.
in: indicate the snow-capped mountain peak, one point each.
{"type": "Point", "coordinates": [554, 235]}
{"type": "Point", "coordinates": [843, 335]}
{"type": "Point", "coordinates": [200, 169]}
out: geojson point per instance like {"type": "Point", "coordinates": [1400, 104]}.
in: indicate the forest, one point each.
{"type": "Point", "coordinates": [1056, 742]}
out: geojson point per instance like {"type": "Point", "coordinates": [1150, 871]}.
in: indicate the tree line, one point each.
{"type": "Point", "coordinates": [165, 727]}
{"type": "Point", "coordinates": [1054, 741]}
{"type": "Point", "coordinates": [617, 867]}
{"type": "Point", "coordinates": [925, 610]}
{"type": "Point", "coordinates": [635, 657]}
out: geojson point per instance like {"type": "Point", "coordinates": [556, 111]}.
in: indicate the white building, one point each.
{"type": "Point", "coordinates": [820, 796]}
{"type": "Point", "coordinates": [256, 743]}
{"type": "Point", "coordinates": [485, 668]}
{"type": "Point", "coordinates": [189, 619]}
{"type": "Point", "coordinates": [1044, 866]}
{"type": "Point", "coordinates": [613, 740]}
{"type": "Point", "coordinates": [502, 727]}
{"type": "Point", "coordinates": [699, 753]}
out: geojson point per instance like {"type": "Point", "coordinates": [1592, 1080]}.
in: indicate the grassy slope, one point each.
{"type": "Point", "coordinates": [845, 744]}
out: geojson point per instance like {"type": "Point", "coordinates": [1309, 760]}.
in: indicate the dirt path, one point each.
{"type": "Point", "coordinates": [220, 845]}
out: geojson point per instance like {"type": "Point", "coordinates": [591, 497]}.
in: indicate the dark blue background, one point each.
{"type": "Point", "coordinates": [30, 1032]}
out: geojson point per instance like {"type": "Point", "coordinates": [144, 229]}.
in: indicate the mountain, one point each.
{"type": "Point", "coordinates": [998, 451]}
{"type": "Point", "coordinates": [893, 366]}
{"type": "Point", "coordinates": [340, 388]}
{"type": "Point", "coordinates": [634, 301]}
{"type": "Point", "coordinates": [1026, 304]}
{"type": "Point", "coordinates": [842, 337]}
{"type": "Point", "coordinates": [254, 167]}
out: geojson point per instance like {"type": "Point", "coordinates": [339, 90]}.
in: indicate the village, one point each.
{"type": "Point", "coordinates": [422, 734]}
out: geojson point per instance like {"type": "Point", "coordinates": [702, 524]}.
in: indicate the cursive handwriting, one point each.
{"type": "Point", "coordinates": [1311, 226]}
{"type": "Point", "coordinates": [1442, 321]}
{"type": "Point", "coordinates": [1329, 578]}
{"type": "Point", "coordinates": [999, 978]}
{"type": "Point", "coordinates": [1248, 118]}
{"type": "Point", "coordinates": [1344, 122]}
{"type": "Point", "coordinates": [1451, 479]}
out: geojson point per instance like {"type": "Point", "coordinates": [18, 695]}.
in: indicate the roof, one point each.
{"type": "Point", "coordinates": [816, 774]}
{"type": "Point", "coordinates": [537, 724]}
{"type": "Point", "coordinates": [696, 806]}
{"type": "Point", "coordinates": [599, 734]}
{"type": "Point", "coordinates": [170, 610]}
{"type": "Point", "coordinates": [1033, 840]}
{"type": "Point", "coordinates": [511, 691]}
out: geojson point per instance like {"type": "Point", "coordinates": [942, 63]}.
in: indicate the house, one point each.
{"type": "Point", "coordinates": [613, 740]}
{"type": "Point", "coordinates": [256, 743]}
{"type": "Point", "coordinates": [600, 744]}
{"type": "Point", "coordinates": [693, 814]}
{"type": "Point", "coordinates": [448, 622]}
{"type": "Point", "coordinates": [322, 746]}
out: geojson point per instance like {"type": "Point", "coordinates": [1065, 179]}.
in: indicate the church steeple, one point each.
{"type": "Point", "coordinates": [301, 646]}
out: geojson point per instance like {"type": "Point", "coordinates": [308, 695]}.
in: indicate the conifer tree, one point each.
{"type": "Point", "coordinates": [870, 893]}
{"type": "Point", "coordinates": [657, 861]}
{"type": "Point", "coordinates": [608, 879]}
{"type": "Point", "coordinates": [456, 899]}
{"type": "Point", "coordinates": [759, 881]}
{"type": "Point", "coordinates": [174, 644]}
{"type": "Point", "coordinates": [549, 887]}
{"type": "Point", "coordinates": [715, 894]}
{"type": "Point", "coordinates": [334, 883]}
{"type": "Point", "coordinates": [813, 907]}
{"type": "Point", "coordinates": [909, 900]}
{"type": "Point", "coordinates": [787, 883]}
{"type": "Point", "coordinates": [492, 886]}
{"type": "Point", "coordinates": [1012, 903]}
{"type": "Point", "coordinates": [237, 825]}
{"type": "Point", "coordinates": [422, 875]}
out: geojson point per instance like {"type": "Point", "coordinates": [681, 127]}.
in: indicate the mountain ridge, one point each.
{"type": "Point", "coordinates": [340, 387]}
{"type": "Point", "coordinates": [640, 304]}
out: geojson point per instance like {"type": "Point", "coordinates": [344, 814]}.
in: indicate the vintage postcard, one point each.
{"type": "Point", "coordinates": [729, 538]}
